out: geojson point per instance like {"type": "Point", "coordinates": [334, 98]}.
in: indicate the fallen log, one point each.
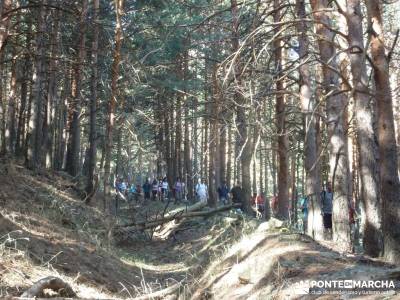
{"type": "Point", "coordinates": [170, 216]}
{"type": "Point", "coordinates": [178, 216]}
{"type": "Point", "coordinates": [51, 283]}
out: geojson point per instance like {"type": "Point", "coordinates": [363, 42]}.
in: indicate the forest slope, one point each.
{"type": "Point", "coordinates": [46, 230]}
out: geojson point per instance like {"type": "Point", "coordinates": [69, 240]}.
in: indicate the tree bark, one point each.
{"type": "Point", "coordinates": [336, 105]}
{"type": "Point", "coordinates": [114, 94]}
{"type": "Point", "coordinates": [311, 165]}
{"type": "Point", "coordinates": [35, 135]}
{"type": "Point", "coordinates": [53, 99]}
{"type": "Point", "coordinates": [280, 109]}
{"type": "Point", "coordinates": [365, 107]}
{"type": "Point", "coordinates": [388, 165]}
{"type": "Point", "coordinates": [12, 104]}
{"type": "Point", "coordinates": [93, 101]}
{"type": "Point", "coordinates": [74, 137]}
{"type": "Point", "coordinates": [22, 114]}
{"type": "Point", "coordinates": [244, 139]}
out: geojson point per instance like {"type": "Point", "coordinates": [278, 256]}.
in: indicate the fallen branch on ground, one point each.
{"type": "Point", "coordinates": [51, 283]}
{"type": "Point", "coordinates": [177, 216]}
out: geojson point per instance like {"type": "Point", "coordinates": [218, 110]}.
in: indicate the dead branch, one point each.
{"type": "Point", "coordinates": [177, 216]}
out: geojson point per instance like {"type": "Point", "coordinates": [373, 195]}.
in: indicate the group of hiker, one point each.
{"type": "Point", "coordinates": [326, 201]}
{"type": "Point", "coordinates": [159, 189]}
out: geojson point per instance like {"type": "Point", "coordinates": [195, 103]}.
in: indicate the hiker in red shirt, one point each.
{"type": "Point", "coordinates": [258, 203]}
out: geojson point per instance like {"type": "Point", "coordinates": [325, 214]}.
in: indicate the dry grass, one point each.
{"type": "Point", "coordinates": [49, 231]}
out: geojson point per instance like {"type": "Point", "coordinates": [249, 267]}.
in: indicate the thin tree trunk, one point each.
{"type": "Point", "coordinates": [114, 94]}
{"type": "Point", "coordinates": [52, 96]}
{"type": "Point", "coordinates": [12, 104]}
{"type": "Point", "coordinates": [229, 158]}
{"type": "Point", "coordinates": [214, 137]}
{"type": "Point", "coordinates": [35, 135]}
{"type": "Point", "coordinates": [26, 69]}
{"type": "Point", "coordinates": [73, 149]}
{"type": "Point", "coordinates": [244, 139]}
{"type": "Point", "coordinates": [280, 109]}
{"type": "Point", "coordinates": [93, 102]}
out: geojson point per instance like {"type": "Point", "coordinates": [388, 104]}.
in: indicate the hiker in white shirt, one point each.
{"type": "Point", "coordinates": [164, 189]}
{"type": "Point", "coordinates": [202, 191]}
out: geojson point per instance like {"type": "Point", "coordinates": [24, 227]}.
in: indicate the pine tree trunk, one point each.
{"type": "Point", "coordinates": [336, 105]}
{"type": "Point", "coordinates": [12, 104]}
{"type": "Point", "coordinates": [388, 165]}
{"type": "Point", "coordinates": [53, 99]}
{"type": "Point", "coordinates": [229, 157]}
{"type": "Point", "coordinates": [365, 106]}
{"type": "Point", "coordinates": [244, 140]}
{"type": "Point", "coordinates": [311, 165]}
{"type": "Point", "coordinates": [280, 109]}
{"type": "Point", "coordinates": [93, 101]}
{"type": "Point", "coordinates": [74, 137]}
{"type": "Point", "coordinates": [35, 130]}
{"type": "Point", "coordinates": [114, 94]}
{"type": "Point", "coordinates": [25, 83]}
{"type": "Point", "coordinates": [213, 174]}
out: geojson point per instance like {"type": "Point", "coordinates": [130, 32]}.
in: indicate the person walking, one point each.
{"type": "Point", "coordinates": [202, 191]}
{"type": "Point", "coordinates": [238, 196]}
{"type": "Point", "coordinates": [304, 211]}
{"type": "Point", "coordinates": [179, 190]}
{"type": "Point", "coordinates": [146, 190]}
{"type": "Point", "coordinates": [327, 206]}
{"type": "Point", "coordinates": [223, 193]}
{"type": "Point", "coordinates": [164, 189]}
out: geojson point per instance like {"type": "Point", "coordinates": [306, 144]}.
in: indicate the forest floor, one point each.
{"type": "Point", "coordinates": [46, 230]}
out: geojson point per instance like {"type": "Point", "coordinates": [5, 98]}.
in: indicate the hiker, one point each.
{"type": "Point", "coordinates": [303, 205]}
{"type": "Point", "coordinates": [146, 190]}
{"type": "Point", "coordinates": [164, 189]}
{"type": "Point", "coordinates": [223, 193]}
{"type": "Point", "coordinates": [238, 196]}
{"type": "Point", "coordinates": [326, 204]}
{"type": "Point", "coordinates": [257, 202]}
{"type": "Point", "coordinates": [179, 190]}
{"type": "Point", "coordinates": [202, 191]}
{"type": "Point", "coordinates": [253, 199]}
{"type": "Point", "coordinates": [154, 189]}
{"type": "Point", "coordinates": [131, 193]}
{"type": "Point", "coordinates": [121, 188]}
